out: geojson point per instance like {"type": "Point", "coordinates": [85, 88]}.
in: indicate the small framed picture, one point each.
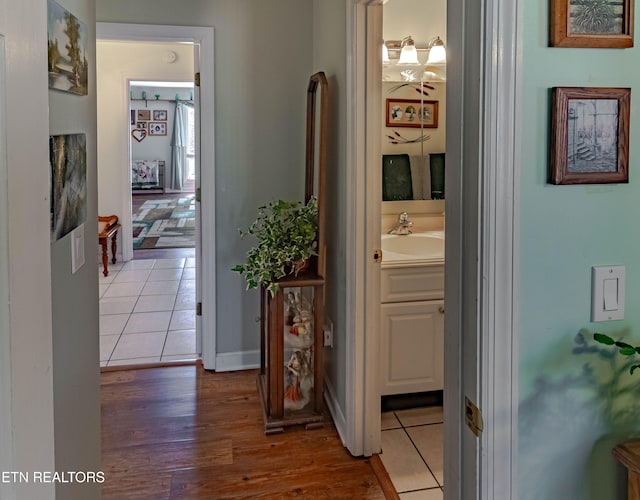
{"type": "Point", "coordinates": [589, 135]}
{"type": "Point", "coordinates": [143, 115]}
{"type": "Point", "coordinates": [160, 115]}
{"type": "Point", "coordinates": [412, 113]}
{"type": "Point", "coordinates": [591, 23]}
{"type": "Point", "coordinates": [133, 117]}
{"type": "Point", "coordinates": [141, 125]}
{"type": "Point", "coordinates": [157, 128]}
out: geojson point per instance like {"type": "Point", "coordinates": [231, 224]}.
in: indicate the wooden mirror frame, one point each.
{"type": "Point", "coordinates": [315, 101]}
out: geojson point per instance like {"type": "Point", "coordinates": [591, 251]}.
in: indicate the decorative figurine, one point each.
{"type": "Point", "coordinates": [300, 380]}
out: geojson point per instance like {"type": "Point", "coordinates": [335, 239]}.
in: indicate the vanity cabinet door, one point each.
{"type": "Point", "coordinates": [412, 350]}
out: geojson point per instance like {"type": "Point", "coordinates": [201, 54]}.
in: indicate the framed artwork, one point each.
{"type": "Point", "coordinates": [139, 134]}
{"type": "Point", "coordinates": [143, 115]}
{"type": "Point", "coordinates": [133, 117]}
{"type": "Point", "coordinates": [412, 113]}
{"type": "Point", "coordinates": [591, 23]}
{"type": "Point", "coordinates": [66, 51]}
{"type": "Point", "coordinates": [160, 115]}
{"type": "Point", "coordinates": [589, 135]}
{"type": "Point", "coordinates": [141, 125]}
{"type": "Point", "coordinates": [68, 161]}
{"type": "Point", "coordinates": [157, 128]}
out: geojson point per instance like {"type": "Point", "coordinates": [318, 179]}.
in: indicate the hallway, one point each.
{"type": "Point", "coordinates": [183, 432]}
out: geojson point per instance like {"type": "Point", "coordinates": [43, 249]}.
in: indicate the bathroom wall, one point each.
{"type": "Point", "coordinates": [573, 404]}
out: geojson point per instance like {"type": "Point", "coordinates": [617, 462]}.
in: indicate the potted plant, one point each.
{"type": "Point", "coordinates": [287, 237]}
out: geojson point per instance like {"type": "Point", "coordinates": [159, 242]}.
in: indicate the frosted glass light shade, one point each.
{"type": "Point", "coordinates": [408, 55]}
{"type": "Point", "coordinates": [437, 55]}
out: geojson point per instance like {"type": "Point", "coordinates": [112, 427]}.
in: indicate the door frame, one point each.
{"type": "Point", "coordinates": [483, 135]}
{"type": "Point", "coordinates": [206, 270]}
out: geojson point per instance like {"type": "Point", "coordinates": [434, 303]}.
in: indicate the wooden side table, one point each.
{"type": "Point", "coordinates": [108, 228]}
{"type": "Point", "coordinates": [628, 454]}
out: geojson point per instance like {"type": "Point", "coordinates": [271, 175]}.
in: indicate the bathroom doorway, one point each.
{"type": "Point", "coordinates": [479, 341]}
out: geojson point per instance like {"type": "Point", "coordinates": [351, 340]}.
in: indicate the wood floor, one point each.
{"type": "Point", "coordinates": [184, 433]}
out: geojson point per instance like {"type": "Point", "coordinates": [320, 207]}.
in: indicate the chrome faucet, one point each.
{"type": "Point", "coordinates": [403, 225]}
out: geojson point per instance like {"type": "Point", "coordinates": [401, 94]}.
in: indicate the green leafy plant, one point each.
{"type": "Point", "coordinates": [623, 348]}
{"type": "Point", "coordinates": [287, 235]}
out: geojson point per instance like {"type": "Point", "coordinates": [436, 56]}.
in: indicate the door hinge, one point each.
{"type": "Point", "coordinates": [199, 309]}
{"type": "Point", "coordinates": [473, 416]}
{"type": "Point", "coordinates": [198, 194]}
{"type": "Point", "coordinates": [377, 256]}
{"type": "Point", "coordinates": [196, 79]}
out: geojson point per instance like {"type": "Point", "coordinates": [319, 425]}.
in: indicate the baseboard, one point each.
{"type": "Point", "coordinates": [240, 360]}
{"type": "Point", "coordinates": [336, 412]}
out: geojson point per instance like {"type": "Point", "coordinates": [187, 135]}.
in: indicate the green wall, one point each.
{"type": "Point", "coordinates": [574, 406]}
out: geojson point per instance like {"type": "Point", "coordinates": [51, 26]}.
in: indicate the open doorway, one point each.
{"type": "Point", "coordinates": [413, 145]}
{"type": "Point", "coordinates": [160, 296]}
{"type": "Point", "coordinates": [163, 170]}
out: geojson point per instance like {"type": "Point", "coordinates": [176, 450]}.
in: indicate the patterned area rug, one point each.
{"type": "Point", "coordinates": [165, 223]}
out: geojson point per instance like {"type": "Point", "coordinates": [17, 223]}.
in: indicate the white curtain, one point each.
{"type": "Point", "coordinates": [179, 144]}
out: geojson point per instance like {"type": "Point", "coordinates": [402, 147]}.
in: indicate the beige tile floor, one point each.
{"type": "Point", "coordinates": [147, 312]}
{"type": "Point", "coordinates": [412, 452]}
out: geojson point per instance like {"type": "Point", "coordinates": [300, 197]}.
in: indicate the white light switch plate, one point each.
{"type": "Point", "coordinates": [607, 293]}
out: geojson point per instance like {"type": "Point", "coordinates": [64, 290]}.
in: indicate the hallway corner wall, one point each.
{"type": "Point", "coordinates": [76, 368]}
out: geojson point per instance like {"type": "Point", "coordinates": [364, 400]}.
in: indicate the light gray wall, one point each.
{"type": "Point", "coordinates": [262, 64]}
{"type": "Point", "coordinates": [329, 49]}
{"type": "Point", "coordinates": [76, 366]}
{"type": "Point", "coordinates": [26, 401]}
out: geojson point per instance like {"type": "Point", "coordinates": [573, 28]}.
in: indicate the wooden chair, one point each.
{"type": "Point", "coordinates": [108, 228]}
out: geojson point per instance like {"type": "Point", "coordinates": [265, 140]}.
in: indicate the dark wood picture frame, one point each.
{"type": "Point", "coordinates": [589, 135]}
{"type": "Point", "coordinates": [614, 29]}
{"type": "Point", "coordinates": [424, 113]}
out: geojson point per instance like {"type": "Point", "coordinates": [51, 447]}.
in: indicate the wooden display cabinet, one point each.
{"type": "Point", "coordinates": [283, 352]}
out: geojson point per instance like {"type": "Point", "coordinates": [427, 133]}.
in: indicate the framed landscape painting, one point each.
{"type": "Point", "coordinates": [66, 50]}
{"type": "Point", "coordinates": [589, 135]}
{"type": "Point", "coordinates": [591, 23]}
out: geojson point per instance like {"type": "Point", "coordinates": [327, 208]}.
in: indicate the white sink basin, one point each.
{"type": "Point", "coordinates": [415, 246]}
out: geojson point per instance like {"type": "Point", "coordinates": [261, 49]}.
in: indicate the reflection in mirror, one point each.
{"type": "Point", "coordinates": [413, 177]}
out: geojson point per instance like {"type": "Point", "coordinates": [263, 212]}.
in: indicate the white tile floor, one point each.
{"type": "Point", "coordinates": [147, 312]}
{"type": "Point", "coordinates": [412, 452]}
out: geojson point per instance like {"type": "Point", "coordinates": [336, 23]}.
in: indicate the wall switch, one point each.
{"type": "Point", "coordinates": [328, 333]}
{"type": "Point", "coordinates": [77, 248]}
{"type": "Point", "coordinates": [607, 293]}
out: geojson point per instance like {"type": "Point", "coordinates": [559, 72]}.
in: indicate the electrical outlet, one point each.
{"type": "Point", "coordinates": [328, 333]}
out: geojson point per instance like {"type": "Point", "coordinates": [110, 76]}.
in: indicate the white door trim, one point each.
{"type": "Point", "coordinates": [203, 36]}
{"type": "Point", "coordinates": [482, 209]}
